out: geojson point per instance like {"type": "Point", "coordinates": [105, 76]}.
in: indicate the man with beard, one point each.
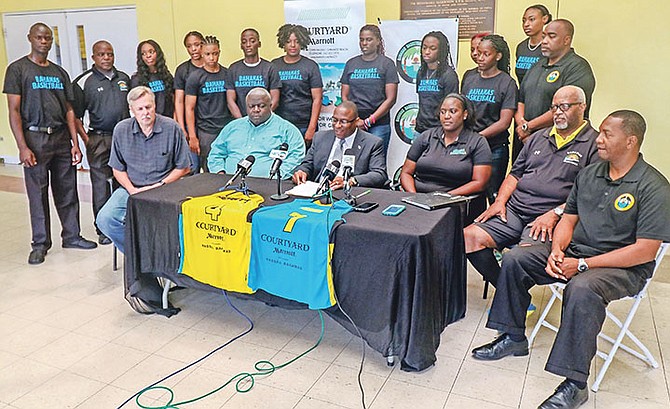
{"type": "Point", "coordinates": [531, 199]}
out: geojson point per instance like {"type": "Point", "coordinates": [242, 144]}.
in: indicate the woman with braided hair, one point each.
{"type": "Point", "coordinates": [370, 81]}
{"type": "Point", "coordinates": [528, 52]}
{"type": "Point", "coordinates": [302, 86]}
{"type": "Point", "coordinates": [494, 95]}
{"type": "Point", "coordinates": [152, 72]}
{"type": "Point", "coordinates": [435, 80]}
{"type": "Point", "coordinates": [206, 107]}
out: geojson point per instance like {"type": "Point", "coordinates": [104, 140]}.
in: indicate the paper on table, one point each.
{"type": "Point", "coordinates": [307, 189]}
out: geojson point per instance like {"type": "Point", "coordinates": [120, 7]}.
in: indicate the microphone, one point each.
{"type": "Point", "coordinates": [348, 163]}
{"type": "Point", "coordinates": [328, 175]}
{"type": "Point", "coordinates": [278, 155]}
{"type": "Point", "coordinates": [243, 168]}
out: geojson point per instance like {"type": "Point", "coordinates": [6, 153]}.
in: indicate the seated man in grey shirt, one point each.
{"type": "Point", "coordinates": [148, 151]}
{"type": "Point", "coordinates": [345, 139]}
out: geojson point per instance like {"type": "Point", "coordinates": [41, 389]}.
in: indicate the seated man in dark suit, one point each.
{"type": "Point", "coordinates": [335, 144]}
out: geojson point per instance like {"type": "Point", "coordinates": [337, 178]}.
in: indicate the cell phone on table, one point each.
{"type": "Point", "coordinates": [393, 210]}
{"type": "Point", "coordinates": [365, 207]}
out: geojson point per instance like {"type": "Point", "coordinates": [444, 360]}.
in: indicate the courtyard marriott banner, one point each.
{"type": "Point", "coordinates": [333, 27]}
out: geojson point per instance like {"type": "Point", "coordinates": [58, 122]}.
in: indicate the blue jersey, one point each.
{"type": "Point", "coordinates": [291, 250]}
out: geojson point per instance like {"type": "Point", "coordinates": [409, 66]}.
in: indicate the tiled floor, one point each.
{"type": "Point", "coordinates": [68, 339]}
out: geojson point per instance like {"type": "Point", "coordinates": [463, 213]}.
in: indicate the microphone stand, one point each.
{"type": "Point", "coordinates": [243, 185]}
{"type": "Point", "coordinates": [279, 195]}
{"type": "Point", "coordinates": [347, 190]}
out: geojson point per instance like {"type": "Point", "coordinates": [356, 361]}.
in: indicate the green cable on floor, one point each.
{"type": "Point", "coordinates": [263, 368]}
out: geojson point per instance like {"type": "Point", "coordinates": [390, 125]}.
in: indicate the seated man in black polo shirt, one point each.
{"type": "Point", "coordinates": [616, 217]}
{"type": "Point", "coordinates": [530, 200]}
{"type": "Point", "coordinates": [148, 151]}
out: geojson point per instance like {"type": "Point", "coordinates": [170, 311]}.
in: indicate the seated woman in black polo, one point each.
{"type": "Point", "coordinates": [450, 158]}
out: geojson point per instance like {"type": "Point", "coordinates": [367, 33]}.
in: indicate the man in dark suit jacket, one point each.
{"type": "Point", "coordinates": [345, 139]}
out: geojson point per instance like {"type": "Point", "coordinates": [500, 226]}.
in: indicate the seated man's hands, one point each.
{"type": "Point", "coordinates": [299, 177]}
{"type": "Point", "coordinates": [496, 209]}
{"type": "Point", "coordinates": [543, 226]}
{"type": "Point", "coordinates": [561, 267]}
{"type": "Point", "coordinates": [337, 183]}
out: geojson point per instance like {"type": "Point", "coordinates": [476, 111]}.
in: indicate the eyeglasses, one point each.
{"type": "Point", "coordinates": [564, 106]}
{"type": "Point", "coordinates": [344, 122]}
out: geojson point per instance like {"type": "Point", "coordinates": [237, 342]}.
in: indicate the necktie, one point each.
{"type": "Point", "coordinates": [339, 150]}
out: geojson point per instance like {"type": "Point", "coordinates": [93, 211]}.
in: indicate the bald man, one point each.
{"type": "Point", "coordinates": [531, 199]}
{"type": "Point", "coordinates": [101, 91]}
{"type": "Point", "coordinates": [256, 134]}
{"type": "Point", "coordinates": [39, 96]}
{"type": "Point", "coordinates": [559, 66]}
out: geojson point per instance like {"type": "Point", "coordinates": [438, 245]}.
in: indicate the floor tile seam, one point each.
{"type": "Point", "coordinates": [316, 381]}
{"type": "Point", "coordinates": [319, 400]}
{"type": "Point", "coordinates": [460, 368]}
{"type": "Point", "coordinates": [480, 399]}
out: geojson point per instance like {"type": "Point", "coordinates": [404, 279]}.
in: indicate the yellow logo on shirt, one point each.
{"type": "Point", "coordinates": [624, 202]}
{"type": "Point", "coordinates": [553, 76]}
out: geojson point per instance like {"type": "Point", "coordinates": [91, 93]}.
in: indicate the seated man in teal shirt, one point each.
{"type": "Point", "coordinates": [256, 134]}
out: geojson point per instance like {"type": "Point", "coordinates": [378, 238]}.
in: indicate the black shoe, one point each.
{"type": "Point", "coordinates": [566, 396]}
{"type": "Point", "coordinates": [500, 348]}
{"type": "Point", "coordinates": [37, 256]}
{"type": "Point", "coordinates": [80, 243]}
{"type": "Point", "coordinates": [104, 240]}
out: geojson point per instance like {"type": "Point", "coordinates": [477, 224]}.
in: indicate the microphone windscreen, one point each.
{"type": "Point", "coordinates": [283, 147]}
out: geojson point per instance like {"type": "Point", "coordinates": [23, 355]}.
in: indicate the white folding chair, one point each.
{"type": "Point", "coordinates": [645, 355]}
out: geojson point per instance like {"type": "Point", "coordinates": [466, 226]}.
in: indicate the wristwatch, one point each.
{"type": "Point", "coordinates": [524, 127]}
{"type": "Point", "coordinates": [581, 265]}
{"type": "Point", "coordinates": [558, 210]}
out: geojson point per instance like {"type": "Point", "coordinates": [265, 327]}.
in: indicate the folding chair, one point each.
{"type": "Point", "coordinates": [645, 355]}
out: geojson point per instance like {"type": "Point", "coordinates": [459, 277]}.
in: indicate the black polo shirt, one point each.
{"type": "Point", "coordinates": [44, 92]}
{"type": "Point", "coordinates": [148, 160]}
{"type": "Point", "coordinates": [615, 213]}
{"type": "Point", "coordinates": [543, 80]}
{"type": "Point", "coordinates": [103, 98]}
{"type": "Point", "coordinates": [545, 174]}
{"type": "Point", "coordinates": [446, 167]}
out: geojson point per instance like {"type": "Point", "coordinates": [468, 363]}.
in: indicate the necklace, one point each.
{"type": "Point", "coordinates": [533, 48]}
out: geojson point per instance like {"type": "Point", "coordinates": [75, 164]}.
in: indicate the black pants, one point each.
{"type": "Point", "coordinates": [585, 298]}
{"type": "Point", "coordinates": [98, 149]}
{"type": "Point", "coordinates": [205, 139]}
{"type": "Point", "coordinates": [54, 167]}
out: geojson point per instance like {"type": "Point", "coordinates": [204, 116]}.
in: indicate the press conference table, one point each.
{"type": "Point", "coordinates": [401, 279]}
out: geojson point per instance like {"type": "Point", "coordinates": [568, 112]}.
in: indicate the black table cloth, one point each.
{"type": "Point", "coordinates": [401, 279]}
